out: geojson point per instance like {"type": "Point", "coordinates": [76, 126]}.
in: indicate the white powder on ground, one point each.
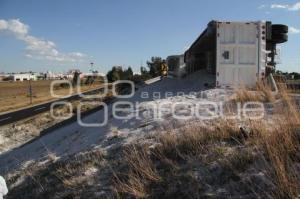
{"type": "Point", "coordinates": [3, 187]}
{"type": "Point", "coordinates": [74, 138]}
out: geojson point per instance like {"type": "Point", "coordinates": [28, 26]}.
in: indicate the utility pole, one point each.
{"type": "Point", "coordinates": [30, 90]}
{"type": "Point", "coordinates": [92, 64]}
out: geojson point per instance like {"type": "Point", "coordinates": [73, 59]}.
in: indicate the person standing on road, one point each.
{"type": "Point", "coordinates": [3, 188]}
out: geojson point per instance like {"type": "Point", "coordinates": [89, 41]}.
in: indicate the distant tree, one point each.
{"type": "Point", "coordinates": [144, 71]}
{"type": "Point", "coordinates": [130, 71]}
{"type": "Point", "coordinates": [76, 77]}
{"type": "Point", "coordinates": [127, 74]}
{"type": "Point", "coordinates": [289, 75]}
{"type": "Point", "coordinates": [145, 75]}
{"type": "Point", "coordinates": [296, 75]}
{"type": "Point", "coordinates": [109, 76]}
{"type": "Point", "coordinates": [279, 72]}
{"type": "Point", "coordinates": [154, 66]}
{"type": "Point", "coordinates": [117, 73]}
{"type": "Point", "coordinates": [114, 74]}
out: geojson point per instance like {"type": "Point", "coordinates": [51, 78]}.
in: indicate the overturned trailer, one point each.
{"type": "Point", "coordinates": [237, 53]}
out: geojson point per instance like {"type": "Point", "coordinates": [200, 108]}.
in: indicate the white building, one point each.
{"type": "Point", "coordinates": [23, 77]}
{"type": "Point", "coordinates": [4, 77]}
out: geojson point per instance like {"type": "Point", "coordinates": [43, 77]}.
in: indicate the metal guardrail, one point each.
{"type": "Point", "coordinates": [153, 80]}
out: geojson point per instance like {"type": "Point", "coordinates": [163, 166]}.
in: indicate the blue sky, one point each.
{"type": "Point", "coordinates": [58, 35]}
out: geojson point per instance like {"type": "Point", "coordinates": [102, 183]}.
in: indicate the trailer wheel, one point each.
{"type": "Point", "coordinates": [279, 28]}
{"type": "Point", "coordinates": [279, 38]}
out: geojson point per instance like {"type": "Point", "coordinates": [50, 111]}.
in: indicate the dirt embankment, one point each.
{"type": "Point", "coordinates": [21, 132]}
{"type": "Point", "coordinates": [168, 158]}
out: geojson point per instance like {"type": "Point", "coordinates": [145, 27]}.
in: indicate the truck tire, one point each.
{"type": "Point", "coordinates": [279, 28]}
{"type": "Point", "coordinates": [279, 38]}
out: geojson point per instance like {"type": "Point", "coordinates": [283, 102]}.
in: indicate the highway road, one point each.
{"type": "Point", "coordinates": [14, 116]}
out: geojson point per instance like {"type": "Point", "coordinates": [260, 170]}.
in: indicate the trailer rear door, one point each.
{"type": "Point", "coordinates": [237, 54]}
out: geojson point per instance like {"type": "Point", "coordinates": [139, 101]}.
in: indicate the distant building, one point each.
{"type": "Point", "coordinates": [70, 74]}
{"type": "Point", "coordinates": [50, 76]}
{"type": "Point", "coordinates": [23, 77]}
{"type": "Point", "coordinates": [54, 76]}
{"type": "Point", "coordinates": [4, 77]}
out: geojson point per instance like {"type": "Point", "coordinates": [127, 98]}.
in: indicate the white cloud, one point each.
{"type": "Point", "coordinates": [77, 54]}
{"type": "Point", "coordinates": [279, 6]}
{"type": "Point", "coordinates": [37, 48]}
{"type": "Point", "coordinates": [14, 26]}
{"type": "Point", "coordinates": [294, 30]}
{"type": "Point", "coordinates": [293, 7]}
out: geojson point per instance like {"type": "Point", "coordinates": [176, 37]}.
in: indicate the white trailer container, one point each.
{"type": "Point", "coordinates": [241, 53]}
{"type": "Point", "coordinates": [235, 52]}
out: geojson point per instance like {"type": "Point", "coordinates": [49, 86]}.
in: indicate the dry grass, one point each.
{"type": "Point", "coordinates": [282, 146]}
{"type": "Point", "coordinates": [279, 150]}
{"type": "Point", "coordinates": [262, 93]}
{"type": "Point", "coordinates": [140, 171]}
{"type": "Point", "coordinates": [14, 95]}
{"type": "Point", "coordinates": [65, 178]}
{"type": "Point", "coordinates": [271, 150]}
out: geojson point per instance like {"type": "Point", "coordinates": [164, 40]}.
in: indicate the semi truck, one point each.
{"type": "Point", "coordinates": [236, 53]}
